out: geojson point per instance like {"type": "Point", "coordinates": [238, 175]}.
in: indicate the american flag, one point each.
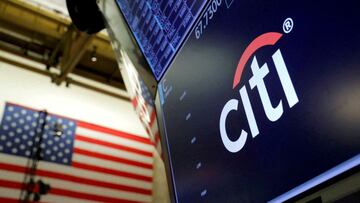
{"type": "Point", "coordinates": [144, 105]}
{"type": "Point", "coordinates": [88, 163]}
{"type": "Point", "coordinates": [142, 100]}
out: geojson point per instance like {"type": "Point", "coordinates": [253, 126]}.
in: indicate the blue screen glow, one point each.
{"type": "Point", "coordinates": [160, 27]}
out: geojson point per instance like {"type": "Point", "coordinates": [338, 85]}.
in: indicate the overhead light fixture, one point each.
{"type": "Point", "coordinates": [93, 56]}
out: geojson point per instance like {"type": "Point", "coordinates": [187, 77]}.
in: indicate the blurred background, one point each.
{"type": "Point", "coordinates": [69, 130]}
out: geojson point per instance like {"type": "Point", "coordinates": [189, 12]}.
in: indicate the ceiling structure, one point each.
{"type": "Point", "coordinates": [58, 6]}
{"type": "Point", "coordinates": [43, 32]}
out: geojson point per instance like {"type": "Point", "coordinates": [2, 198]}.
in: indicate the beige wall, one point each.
{"type": "Point", "coordinates": [30, 89]}
{"type": "Point", "coordinates": [36, 91]}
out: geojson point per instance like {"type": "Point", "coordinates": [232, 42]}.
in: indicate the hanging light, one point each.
{"type": "Point", "coordinates": [93, 56]}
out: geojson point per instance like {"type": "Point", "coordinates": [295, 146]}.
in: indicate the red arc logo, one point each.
{"type": "Point", "coordinates": [266, 39]}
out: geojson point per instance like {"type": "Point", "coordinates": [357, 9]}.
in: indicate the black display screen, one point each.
{"type": "Point", "coordinates": [160, 27]}
{"type": "Point", "coordinates": [262, 102]}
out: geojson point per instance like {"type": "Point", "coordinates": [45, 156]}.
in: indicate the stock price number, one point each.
{"type": "Point", "coordinates": [208, 15]}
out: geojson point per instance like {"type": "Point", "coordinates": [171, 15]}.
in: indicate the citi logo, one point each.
{"type": "Point", "coordinates": [256, 82]}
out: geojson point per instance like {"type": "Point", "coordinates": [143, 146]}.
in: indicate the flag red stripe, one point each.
{"type": "Point", "coordinates": [8, 200]}
{"type": "Point", "coordinates": [95, 183]}
{"type": "Point", "coordinates": [114, 132]}
{"type": "Point", "coordinates": [144, 109]}
{"type": "Point", "coordinates": [10, 167]}
{"type": "Point", "coordinates": [157, 137]}
{"type": "Point", "coordinates": [68, 193]}
{"type": "Point", "coordinates": [112, 158]}
{"type": "Point", "coordinates": [76, 179]}
{"type": "Point", "coordinates": [112, 145]}
{"type": "Point", "coordinates": [10, 184]}
{"type": "Point", "coordinates": [134, 102]}
{"type": "Point", "coordinates": [110, 171]}
{"type": "Point", "coordinates": [152, 117]}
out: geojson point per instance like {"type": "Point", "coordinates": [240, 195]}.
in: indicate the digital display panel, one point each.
{"type": "Point", "coordinates": [159, 27]}
{"type": "Point", "coordinates": [262, 102]}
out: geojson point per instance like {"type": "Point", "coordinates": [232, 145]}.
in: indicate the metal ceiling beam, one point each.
{"type": "Point", "coordinates": [53, 59]}
{"type": "Point", "coordinates": [32, 32]}
{"type": "Point", "coordinates": [75, 48]}
{"type": "Point", "coordinates": [99, 77]}
{"type": "Point", "coordinates": [19, 51]}
{"type": "Point", "coordinates": [39, 21]}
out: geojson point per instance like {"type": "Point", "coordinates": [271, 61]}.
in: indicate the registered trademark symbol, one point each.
{"type": "Point", "coordinates": [288, 25]}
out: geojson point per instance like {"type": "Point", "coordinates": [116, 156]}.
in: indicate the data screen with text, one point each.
{"type": "Point", "coordinates": [160, 27]}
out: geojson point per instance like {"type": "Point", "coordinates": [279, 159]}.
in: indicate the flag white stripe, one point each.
{"type": "Point", "coordinates": [63, 199]}
{"type": "Point", "coordinates": [68, 170]}
{"type": "Point", "coordinates": [158, 147]}
{"type": "Point", "coordinates": [88, 189]}
{"type": "Point", "coordinates": [111, 165]}
{"type": "Point", "coordinates": [9, 193]}
{"type": "Point", "coordinates": [113, 139]}
{"type": "Point", "coordinates": [113, 152]}
{"type": "Point", "coordinates": [15, 194]}
{"type": "Point", "coordinates": [155, 130]}
{"type": "Point", "coordinates": [154, 127]}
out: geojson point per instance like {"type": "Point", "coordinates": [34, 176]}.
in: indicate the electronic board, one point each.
{"type": "Point", "coordinates": [262, 102]}
{"type": "Point", "coordinates": [160, 27]}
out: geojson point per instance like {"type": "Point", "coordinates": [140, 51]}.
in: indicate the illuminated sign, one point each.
{"type": "Point", "coordinates": [262, 105]}
{"type": "Point", "coordinates": [257, 81]}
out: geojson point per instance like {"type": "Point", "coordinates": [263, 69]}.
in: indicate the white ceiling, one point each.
{"type": "Point", "coordinates": [58, 6]}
